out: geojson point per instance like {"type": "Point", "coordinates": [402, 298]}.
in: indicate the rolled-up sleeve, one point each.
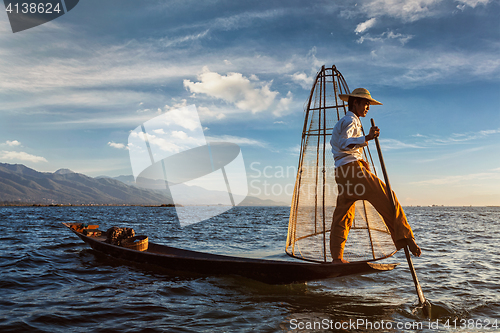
{"type": "Point", "coordinates": [347, 141]}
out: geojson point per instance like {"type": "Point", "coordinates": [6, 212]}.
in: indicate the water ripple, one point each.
{"type": "Point", "coordinates": [52, 282]}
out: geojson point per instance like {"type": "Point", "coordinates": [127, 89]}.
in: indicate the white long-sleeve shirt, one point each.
{"type": "Point", "coordinates": [347, 140]}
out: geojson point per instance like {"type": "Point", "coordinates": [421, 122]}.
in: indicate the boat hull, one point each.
{"type": "Point", "coordinates": [267, 271]}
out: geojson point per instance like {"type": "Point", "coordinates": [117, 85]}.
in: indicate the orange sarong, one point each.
{"type": "Point", "coordinates": [356, 182]}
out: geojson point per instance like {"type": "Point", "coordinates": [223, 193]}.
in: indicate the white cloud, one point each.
{"type": "Point", "coordinates": [78, 80]}
{"type": "Point", "coordinates": [251, 95]}
{"type": "Point", "coordinates": [104, 119]}
{"type": "Point", "coordinates": [180, 135]}
{"type": "Point", "coordinates": [406, 10]}
{"type": "Point", "coordinates": [449, 180]}
{"type": "Point", "coordinates": [295, 150]}
{"type": "Point", "coordinates": [13, 143]}
{"type": "Point", "coordinates": [117, 145]}
{"type": "Point", "coordinates": [426, 141]}
{"type": "Point", "coordinates": [237, 21]}
{"type": "Point", "coordinates": [163, 144]}
{"type": "Point", "coordinates": [159, 131]}
{"type": "Point", "coordinates": [283, 105]}
{"type": "Point", "coordinates": [386, 36]}
{"type": "Point", "coordinates": [187, 120]}
{"type": "Point", "coordinates": [98, 99]}
{"type": "Point", "coordinates": [119, 68]}
{"type": "Point", "coordinates": [388, 144]}
{"type": "Point", "coordinates": [177, 104]}
{"type": "Point", "coordinates": [304, 80]}
{"type": "Point", "coordinates": [461, 137]}
{"type": "Point", "coordinates": [207, 113]}
{"type": "Point", "coordinates": [93, 70]}
{"type": "Point", "coordinates": [471, 3]}
{"type": "Point", "coordinates": [409, 66]}
{"type": "Point", "coordinates": [175, 119]}
{"type": "Point", "coordinates": [20, 155]}
{"type": "Point", "coordinates": [188, 38]}
{"type": "Point", "coordinates": [362, 27]}
{"type": "Point", "coordinates": [172, 132]}
{"type": "Point", "coordinates": [448, 156]}
{"type": "Point", "coordinates": [429, 141]}
{"type": "Point", "coordinates": [158, 110]}
{"type": "Point", "coordinates": [311, 58]}
{"type": "Point", "coordinates": [237, 140]}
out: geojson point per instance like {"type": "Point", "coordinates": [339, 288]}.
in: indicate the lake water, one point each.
{"type": "Point", "coordinates": [53, 282]}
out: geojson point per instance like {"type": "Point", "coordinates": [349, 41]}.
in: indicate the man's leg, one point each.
{"type": "Point", "coordinates": [376, 194]}
{"type": "Point", "coordinates": [343, 216]}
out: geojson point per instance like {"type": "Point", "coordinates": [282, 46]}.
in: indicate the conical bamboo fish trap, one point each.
{"type": "Point", "coordinates": [315, 191]}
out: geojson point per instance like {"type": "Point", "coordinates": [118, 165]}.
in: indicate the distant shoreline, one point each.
{"type": "Point", "coordinates": [12, 204]}
{"type": "Point", "coordinates": [3, 204]}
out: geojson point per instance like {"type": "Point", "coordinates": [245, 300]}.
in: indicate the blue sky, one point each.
{"type": "Point", "coordinates": [73, 89]}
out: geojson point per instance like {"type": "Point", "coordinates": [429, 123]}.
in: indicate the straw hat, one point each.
{"type": "Point", "coordinates": [360, 93]}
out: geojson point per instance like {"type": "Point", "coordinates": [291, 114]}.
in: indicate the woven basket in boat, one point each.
{"type": "Point", "coordinates": [139, 243]}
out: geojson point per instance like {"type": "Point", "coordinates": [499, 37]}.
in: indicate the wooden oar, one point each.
{"type": "Point", "coordinates": [420, 293]}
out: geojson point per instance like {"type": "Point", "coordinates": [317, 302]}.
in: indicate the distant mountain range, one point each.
{"type": "Point", "coordinates": [22, 185]}
{"type": "Point", "coordinates": [192, 195]}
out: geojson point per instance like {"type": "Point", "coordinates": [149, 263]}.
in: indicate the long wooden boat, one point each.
{"type": "Point", "coordinates": [267, 271]}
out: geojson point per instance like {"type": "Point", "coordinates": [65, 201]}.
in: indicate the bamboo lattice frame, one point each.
{"type": "Point", "coordinates": [315, 190]}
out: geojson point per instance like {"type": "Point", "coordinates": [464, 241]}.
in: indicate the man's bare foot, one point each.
{"type": "Point", "coordinates": [339, 261]}
{"type": "Point", "coordinates": [415, 250]}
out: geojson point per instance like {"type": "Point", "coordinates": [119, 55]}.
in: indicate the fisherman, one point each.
{"type": "Point", "coordinates": [356, 182]}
